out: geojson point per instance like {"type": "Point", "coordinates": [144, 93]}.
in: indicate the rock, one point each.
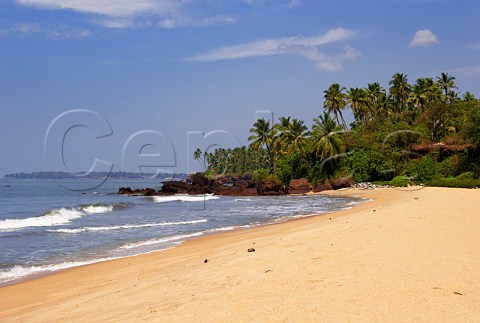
{"type": "Point", "coordinates": [251, 249]}
{"type": "Point", "coordinates": [125, 190]}
{"type": "Point", "coordinates": [344, 182]}
{"type": "Point", "coordinates": [175, 187]}
{"type": "Point", "coordinates": [205, 261]}
{"type": "Point", "coordinates": [322, 187]}
{"type": "Point", "coordinates": [269, 188]}
{"type": "Point", "coordinates": [299, 186]}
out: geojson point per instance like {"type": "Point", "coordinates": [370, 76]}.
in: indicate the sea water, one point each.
{"type": "Point", "coordinates": [49, 225]}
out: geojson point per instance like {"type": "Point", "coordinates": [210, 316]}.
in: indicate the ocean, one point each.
{"type": "Point", "coordinates": [50, 225]}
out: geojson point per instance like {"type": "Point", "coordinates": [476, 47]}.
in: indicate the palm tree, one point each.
{"type": "Point", "coordinates": [263, 135]}
{"type": "Point", "coordinates": [374, 93]}
{"type": "Point", "coordinates": [197, 155]}
{"type": "Point", "coordinates": [447, 83]}
{"type": "Point", "coordinates": [325, 141]}
{"type": "Point", "coordinates": [356, 99]}
{"type": "Point", "coordinates": [294, 139]}
{"type": "Point", "coordinates": [399, 90]}
{"type": "Point", "coordinates": [469, 97]}
{"type": "Point", "coordinates": [335, 101]}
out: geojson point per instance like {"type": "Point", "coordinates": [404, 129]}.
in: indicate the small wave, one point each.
{"type": "Point", "coordinates": [243, 200]}
{"type": "Point", "coordinates": [18, 272]}
{"type": "Point", "coordinates": [52, 218]}
{"type": "Point", "coordinates": [230, 228]}
{"type": "Point", "coordinates": [162, 240]}
{"type": "Point", "coordinates": [58, 217]}
{"type": "Point", "coordinates": [184, 198]}
{"type": "Point", "coordinates": [125, 227]}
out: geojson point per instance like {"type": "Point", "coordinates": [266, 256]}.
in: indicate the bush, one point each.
{"type": "Point", "coordinates": [400, 181]}
{"type": "Point", "coordinates": [421, 170]}
{"type": "Point", "coordinates": [465, 176]}
{"type": "Point", "coordinates": [449, 167]}
{"type": "Point", "coordinates": [453, 182]}
{"type": "Point", "coordinates": [260, 174]}
{"type": "Point", "coordinates": [369, 166]}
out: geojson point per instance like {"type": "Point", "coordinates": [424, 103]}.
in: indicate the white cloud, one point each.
{"type": "Point", "coordinates": [121, 14]}
{"type": "Point", "coordinates": [117, 8]}
{"type": "Point", "coordinates": [49, 31]}
{"type": "Point", "coordinates": [423, 37]}
{"type": "Point", "coordinates": [306, 47]}
{"type": "Point", "coordinates": [468, 71]}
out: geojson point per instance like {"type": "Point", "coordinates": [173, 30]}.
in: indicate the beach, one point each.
{"type": "Point", "coordinates": [408, 255]}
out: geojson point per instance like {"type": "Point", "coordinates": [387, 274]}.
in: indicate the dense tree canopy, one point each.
{"type": "Point", "coordinates": [423, 131]}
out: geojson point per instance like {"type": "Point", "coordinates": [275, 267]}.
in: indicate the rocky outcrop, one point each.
{"type": "Point", "coordinates": [299, 186]}
{"type": "Point", "coordinates": [197, 184]}
{"type": "Point", "coordinates": [269, 188]}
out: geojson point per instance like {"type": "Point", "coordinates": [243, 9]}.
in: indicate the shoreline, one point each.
{"type": "Point", "coordinates": [43, 271]}
{"type": "Point", "coordinates": [292, 260]}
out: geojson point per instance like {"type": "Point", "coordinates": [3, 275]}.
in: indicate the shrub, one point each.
{"type": "Point", "coordinates": [260, 174]}
{"type": "Point", "coordinates": [369, 165]}
{"type": "Point", "coordinates": [400, 181]}
{"type": "Point", "coordinates": [465, 176]}
{"type": "Point", "coordinates": [449, 167]}
{"type": "Point", "coordinates": [453, 182]}
{"type": "Point", "coordinates": [421, 170]}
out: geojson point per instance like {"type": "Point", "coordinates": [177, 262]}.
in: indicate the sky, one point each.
{"type": "Point", "coordinates": [138, 85]}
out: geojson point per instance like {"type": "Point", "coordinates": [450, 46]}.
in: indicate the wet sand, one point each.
{"type": "Point", "coordinates": [408, 255]}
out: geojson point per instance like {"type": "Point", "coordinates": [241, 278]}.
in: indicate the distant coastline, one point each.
{"type": "Point", "coordinates": [93, 175]}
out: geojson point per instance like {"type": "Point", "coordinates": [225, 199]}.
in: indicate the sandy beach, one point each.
{"type": "Point", "coordinates": [407, 256]}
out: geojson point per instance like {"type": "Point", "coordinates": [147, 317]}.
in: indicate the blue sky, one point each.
{"type": "Point", "coordinates": [147, 77]}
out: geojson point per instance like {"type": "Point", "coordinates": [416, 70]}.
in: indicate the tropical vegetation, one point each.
{"type": "Point", "coordinates": [425, 132]}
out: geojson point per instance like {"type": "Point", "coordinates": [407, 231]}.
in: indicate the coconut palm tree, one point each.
{"type": "Point", "coordinates": [447, 83]}
{"type": "Point", "coordinates": [356, 98]}
{"type": "Point", "coordinates": [263, 136]}
{"type": "Point", "coordinates": [399, 90]}
{"type": "Point", "coordinates": [198, 156]}
{"type": "Point", "coordinates": [294, 139]}
{"type": "Point", "coordinates": [325, 140]}
{"type": "Point", "coordinates": [335, 102]}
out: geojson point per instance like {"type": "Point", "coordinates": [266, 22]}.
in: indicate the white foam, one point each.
{"type": "Point", "coordinates": [243, 200]}
{"type": "Point", "coordinates": [125, 227]}
{"type": "Point", "coordinates": [52, 218]}
{"type": "Point", "coordinates": [55, 217]}
{"type": "Point", "coordinates": [185, 198]}
{"type": "Point", "coordinates": [94, 209]}
{"type": "Point", "coordinates": [162, 240]}
{"type": "Point", "coordinates": [20, 271]}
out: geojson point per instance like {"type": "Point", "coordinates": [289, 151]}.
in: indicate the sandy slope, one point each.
{"type": "Point", "coordinates": [407, 256]}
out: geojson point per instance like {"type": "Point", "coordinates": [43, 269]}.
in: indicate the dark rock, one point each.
{"type": "Point", "coordinates": [299, 186]}
{"type": "Point", "coordinates": [343, 182]}
{"type": "Point", "coordinates": [205, 261]}
{"type": "Point", "coordinates": [251, 249]}
{"type": "Point", "coordinates": [322, 187]}
{"type": "Point", "coordinates": [125, 190]}
{"type": "Point", "coordinates": [175, 187]}
{"type": "Point", "coordinates": [269, 188]}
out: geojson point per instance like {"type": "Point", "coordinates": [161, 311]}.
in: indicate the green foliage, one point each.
{"type": "Point", "coordinates": [454, 182]}
{"type": "Point", "coordinates": [370, 165]}
{"type": "Point", "coordinates": [449, 167]}
{"type": "Point", "coordinates": [465, 176]}
{"type": "Point", "coordinates": [260, 175]}
{"type": "Point", "coordinates": [421, 170]}
{"type": "Point", "coordinates": [291, 167]}
{"type": "Point", "coordinates": [392, 128]}
{"type": "Point", "coordinates": [400, 181]}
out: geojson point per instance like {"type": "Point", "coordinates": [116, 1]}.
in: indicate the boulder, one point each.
{"type": "Point", "coordinates": [175, 187]}
{"type": "Point", "coordinates": [125, 190]}
{"type": "Point", "coordinates": [338, 183]}
{"type": "Point", "coordinates": [269, 188]}
{"type": "Point", "coordinates": [322, 187]}
{"type": "Point", "coordinates": [299, 186]}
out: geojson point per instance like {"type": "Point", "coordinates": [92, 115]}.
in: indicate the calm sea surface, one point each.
{"type": "Point", "coordinates": [49, 225]}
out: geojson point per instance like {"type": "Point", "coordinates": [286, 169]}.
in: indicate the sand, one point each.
{"type": "Point", "coordinates": [406, 256]}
